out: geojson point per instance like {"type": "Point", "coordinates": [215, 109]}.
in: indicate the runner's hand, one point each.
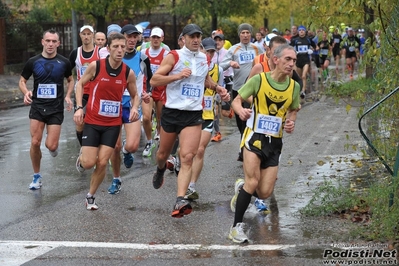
{"type": "Point", "coordinates": [28, 98]}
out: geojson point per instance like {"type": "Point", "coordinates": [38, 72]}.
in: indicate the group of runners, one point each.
{"type": "Point", "coordinates": [119, 85]}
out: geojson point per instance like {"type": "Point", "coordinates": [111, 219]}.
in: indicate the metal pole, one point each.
{"type": "Point", "coordinates": [74, 31]}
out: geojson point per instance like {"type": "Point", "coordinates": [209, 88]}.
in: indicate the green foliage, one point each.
{"type": "Point", "coordinates": [329, 198]}
{"type": "Point", "coordinates": [336, 198]}
{"type": "Point", "coordinates": [40, 15]}
{"type": "Point", "coordinates": [4, 10]}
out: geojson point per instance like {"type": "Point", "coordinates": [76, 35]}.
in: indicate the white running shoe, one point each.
{"type": "Point", "coordinates": [238, 185]}
{"type": "Point", "coordinates": [53, 153]}
{"type": "Point", "coordinates": [237, 233]}
{"type": "Point", "coordinates": [36, 182]}
{"type": "Point", "coordinates": [148, 149]}
{"type": "Point", "coordinates": [78, 165]}
{"type": "Point", "coordinates": [156, 135]}
{"type": "Point", "coordinates": [91, 203]}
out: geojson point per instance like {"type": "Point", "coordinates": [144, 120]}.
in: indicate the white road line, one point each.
{"type": "Point", "coordinates": [19, 252]}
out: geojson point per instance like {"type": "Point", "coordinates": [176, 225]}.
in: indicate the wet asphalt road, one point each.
{"type": "Point", "coordinates": [51, 226]}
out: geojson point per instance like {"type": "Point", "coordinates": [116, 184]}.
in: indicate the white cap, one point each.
{"type": "Point", "coordinates": [269, 37]}
{"type": "Point", "coordinates": [139, 28]}
{"type": "Point", "coordinates": [88, 27]}
{"type": "Point", "coordinates": [156, 32]}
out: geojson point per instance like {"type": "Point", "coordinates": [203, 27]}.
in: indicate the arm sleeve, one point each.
{"type": "Point", "coordinates": [225, 64]}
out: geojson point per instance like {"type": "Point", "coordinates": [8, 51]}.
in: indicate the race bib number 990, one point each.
{"type": "Point", "coordinates": [191, 90]}
{"type": "Point", "coordinates": [47, 91]}
{"type": "Point", "coordinates": [109, 108]}
{"type": "Point", "coordinates": [266, 124]}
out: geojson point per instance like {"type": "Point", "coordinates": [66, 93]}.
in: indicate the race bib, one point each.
{"type": "Point", "coordinates": [246, 57]}
{"type": "Point", "coordinates": [336, 40]}
{"type": "Point", "coordinates": [191, 90]}
{"type": "Point", "coordinates": [266, 124]}
{"type": "Point", "coordinates": [109, 108]}
{"type": "Point", "coordinates": [208, 103]}
{"type": "Point", "coordinates": [47, 91]}
{"type": "Point", "coordinates": [83, 69]}
{"type": "Point", "coordinates": [324, 51]}
{"type": "Point", "coordinates": [154, 68]}
{"type": "Point", "coordinates": [351, 48]}
{"type": "Point", "coordinates": [302, 49]}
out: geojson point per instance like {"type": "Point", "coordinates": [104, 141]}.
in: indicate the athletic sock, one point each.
{"type": "Point", "coordinates": [243, 200]}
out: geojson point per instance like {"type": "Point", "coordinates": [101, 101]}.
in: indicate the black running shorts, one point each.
{"type": "Point", "coordinates": [267, 148]}
{"type": "Point", "coordinates": [94, 135]}
{"type": "Point", "coordinates": [47, 117]}
{"type": "Point", "coordinates": [174, 120]}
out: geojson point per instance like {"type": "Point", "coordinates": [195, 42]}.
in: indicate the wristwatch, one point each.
{"type": "Point", "coordinates": [78, 107]}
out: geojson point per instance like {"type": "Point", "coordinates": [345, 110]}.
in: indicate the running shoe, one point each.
{"type": "Point", "coordinates": [157, 180]}
{"type": "Point", "coordinates": [237, 187]}
{"type": "Point", "coordinates": [78, 165]}
{"type": "Point", "coordinates": [217, 137]}
{"type": "Point", "coordinates": [303, 95]}
{"type": "Point", "coordinates": [128, 158]}
{"type": "Point", "coordinates": [53, 153]}
{"type": "Point", "coordinates": [156, 135]}
{"type": "Point", "coordinates": [177, 166]}
{"type": "Point", "coordinates": [170, 163]}
{"type": "Point", "coordinates": [191, 194]}
{"type": "Point", "coordinates": [261, 206]}
{"type": "Point", "coordinates": [36, 182]}
{"type": "Point", "coordinates": [148, 149]}
{"type": "Point", "coordinates": [231, 114]}
{"type": "Point", "coordinates": [237, 233]}
{"type": "Point", "coordinates": [91, 203]}
{"type": "Point", "coordinates": [181, 208]}
{"type": "Point", "coordinates": [115, 186]}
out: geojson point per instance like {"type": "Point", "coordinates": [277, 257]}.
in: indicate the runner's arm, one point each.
{"type": "Point", "coordinates": [161, 77]}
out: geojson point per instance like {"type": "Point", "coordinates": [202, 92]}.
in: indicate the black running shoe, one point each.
{"type": "Point", "coordinates": [157, 179]}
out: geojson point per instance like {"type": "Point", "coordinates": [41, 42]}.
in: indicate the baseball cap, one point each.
{"type": "Point", "coordinates": [87, 27]}
{"type": "Point", "coordinates": [350, 28]}
{"type": "Point", "coordinates": [209, 44]}
{"type": "Point", "coordinates": [269, 37]}
{"type": "Point", "coordinates": [190, 29]}
{"type": "Point", "coordinates": [220, 35]}
{"type": "Point", "coordinates": [274, 30]}
{"type": "Point", "coordinates": [113, 28]}
{"type": "Point", "coordinates": [146, 33]}
{"type": "Point", "coordinates": [129, 29]}
{"type": "Point", "coordinates": [157, 32]}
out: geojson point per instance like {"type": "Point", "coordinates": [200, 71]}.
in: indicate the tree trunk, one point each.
{"type": "Point", "coordinates": [101, 24]}
{"type": "Point", "coordinates": [214, 22]}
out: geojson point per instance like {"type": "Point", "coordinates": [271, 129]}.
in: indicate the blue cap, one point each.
{"type": "Point", "coordinates": [302, 28]}
{"type": "Point", "coordinates": [113, 28]}
{"type": "Point", "coordinates": [146, 33]}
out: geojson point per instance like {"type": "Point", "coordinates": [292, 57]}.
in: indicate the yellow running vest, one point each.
{"type": "Point", "coordinates": [209, 95]}
{"type": "Point", "coordinates": [269, 109]}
